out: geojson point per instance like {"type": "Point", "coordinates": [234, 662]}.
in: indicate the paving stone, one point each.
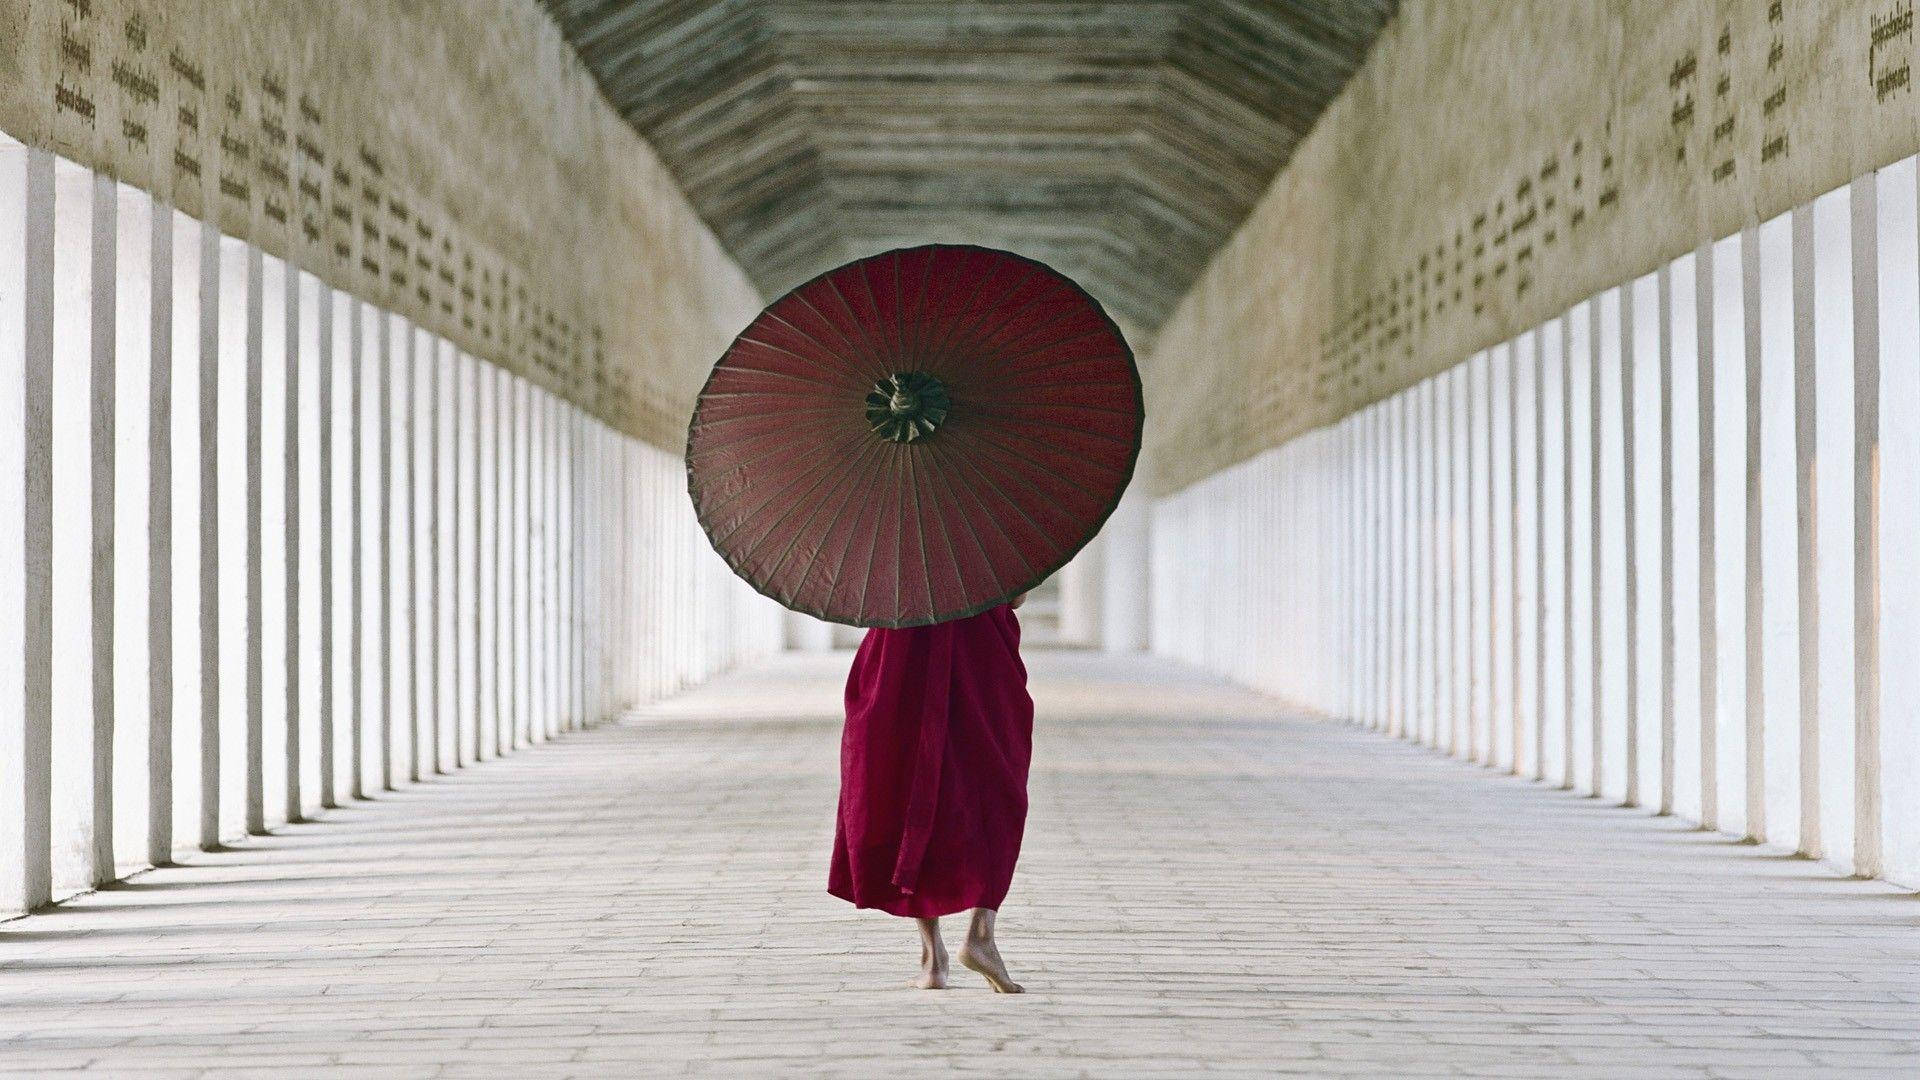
{"type": "Point", "coordinates": [1211, 885]}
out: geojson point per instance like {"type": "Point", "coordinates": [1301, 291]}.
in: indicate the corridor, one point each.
{"type": "Point", "coordinates": [1210, 884]}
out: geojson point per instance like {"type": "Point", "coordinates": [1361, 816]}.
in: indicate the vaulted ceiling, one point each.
{"type": "Point", "coordinates": [1120, 141]}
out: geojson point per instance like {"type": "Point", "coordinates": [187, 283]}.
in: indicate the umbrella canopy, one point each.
{"type": "Point", "coordinates": [915, 437]}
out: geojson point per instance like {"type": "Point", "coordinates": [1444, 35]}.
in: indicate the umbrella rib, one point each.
{"type": "Point", "coordinates": [728, 501]}
{"type": "Point", "coordinates": [807, 425]}
{"type": "Point", "coordinates": [967, 520]}
{"type": "Point", "coordinates": [1019, 509]}
{"type": "Point", "coordinates": [860, 350]}
{"type": "Point", "coordinates": [1081, 406]}
{"type": "Point", "coordinates": [773, 316]}
{"type": "Point", "coordinates": [795, 327]}
{"type": "Point", "coordinates": [920, 317]}
{"type": "Point", "coordinates": [1014, 457]}
{"type": "Point", "coordinates": [867, 283]}
{"type": "Point", "coordinates": [847, 478]}
{"type": "Point", "coordinates": [1070, 382]}
{"type": "Point", "coordinates": [808, 360]}
{"type": "Point", "coordinates": [966, 432]}
{"type": "Point", "coordinates": [718, 394]}
{"type": "Point", "coordinates": [1013, 344]}
{"type": "Point", "coordinates": [740, 558]}
{"type": "Point", "coordinates": [866, 583]}
{"type": "Point", "coordinates": [824, 474]}
{"type": "Point", "coordinates": [971, 311]}
{"type": "Point", "coordinates": [920, 530]}
{"type": "Point", "coordinates": [977, 318]}
{"type": "Point", "coordinates": [900, 323]}
{"type": "Point", "coordinates": [821, 409]}
{"type": "Point", "coordinates": [785, 432]}
{"type": "Point", "coordinates": [1041, 350]}
{"type": "Point", "coordinates": [833, 580]}
{"type": "Point", "coordinates": [953, 556]}
{"type": "Point", "coordinates": [851, 347]}
{"type": "Point", "coordinates": [1030, 441]}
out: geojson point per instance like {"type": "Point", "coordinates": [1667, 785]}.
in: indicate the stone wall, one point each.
{"type": "Point", "coordinates": [1494, 163]}
{"type": "Point", "coordinates": [448, 159]}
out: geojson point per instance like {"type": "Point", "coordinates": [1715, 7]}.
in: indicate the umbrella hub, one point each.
{"type": "Point", "coordinates": [906, 406]}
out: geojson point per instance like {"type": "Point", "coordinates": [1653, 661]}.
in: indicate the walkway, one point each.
{"type": "Point", "coordinates": [1209, 886]}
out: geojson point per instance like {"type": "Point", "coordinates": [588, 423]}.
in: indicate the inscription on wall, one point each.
{"type": "Point", "coordinates": [265, 150]}
{"type": "Point", "coordinates": [1725, 115]}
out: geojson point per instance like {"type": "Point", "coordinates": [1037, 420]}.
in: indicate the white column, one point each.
{"type": "Point", "coordinates": [1519, 356]}
{"type": "Point", "coordinates": [516, 562]}
{"type": "Point", "coordinates": [1828, 762]}
{"type": "Point", "coordinates": [1081, 588]}
{"type": "Point", "coordinates": [550, 561]}
{"type": "Point", "coordinates": [1630, 537]}
{"type": "Point", "coordinates": [1755, 684]}
{"type": "Point", "coordinates": [534, 566]}
{"type": "Point", "coordinates": [271, 487]}
{"type": "Point", "coordinates": [1895, 821]}
{"type": "Point", "coordinates": [455, 710]}
{"type": "Point", "coordinates": [1123, 604]}
{"type": "Point", "coordinates": [292, 491]}
{"type": "Point", "coordinates": [486, 485]}
{"type": "Point", "coordinates": [423, 615]}
{"type": "Point", "coordinates": [359, 517]}
{"type": "Point", "coordinates": [1868, 526]}
{"type": "Point", "coordinates": [1437, 543]}
{"type": "Point", "coordinates": [1807, 526]}
{"type": "Point", "coordinates": [74, 734]}
{"type": "Point", "coordinates": [805, 633]}
{"type": "Point", "coordinates": [160, 652]}
{"type": "Point", "coordinates": [1709, 614]}
{"type": "Point", "coordinates": [26, 525]}
{"type": "Point", "coordinates": [1681, 793]}
{"type": "Point", "coordinates": [1543, 363]}
{"type": "Point", "coordinates": [388, 567]}
{"type": "Point", "coordinates": [1598, 361]}
{"type": "Point", "coordinates": [254, 632]}
{"type": "Point", "coordinates": [1668, 667]}
{"type": "Point", "coordinates": [1399, 653]}
{"type": "Point", "coordinates": [328, 420]}
{"type": "Point", "coordinates": [1865, 767]}
{"type": "Point", "coordinates": [468, 500]}
{"type": "Point", "coordinates": [210, 764]}
{"type": "Point", "coordinates": [102, 388]}
{"type": "Point", "coordinates": [1480, 474]}
{"type": "Point", "coordinates": [1569, 672]}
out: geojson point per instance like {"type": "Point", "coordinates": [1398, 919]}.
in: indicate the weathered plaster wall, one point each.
{"type": "Point", "coordinates": [1494, 163]}
{"type": "Point", "coordinates": [449, 159]}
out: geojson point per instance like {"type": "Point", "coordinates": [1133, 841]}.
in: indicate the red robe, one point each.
{"type": "Point", "coordinates": [933, 767]}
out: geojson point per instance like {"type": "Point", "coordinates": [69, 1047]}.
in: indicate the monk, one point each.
{"type": "Point", "coordinates": [933, 781]}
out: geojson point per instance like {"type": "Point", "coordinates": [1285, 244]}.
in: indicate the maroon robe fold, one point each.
{"type": "Point", "coordinates": [933, 767]}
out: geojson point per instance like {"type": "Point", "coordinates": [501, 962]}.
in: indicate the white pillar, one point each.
{"type": "Point", "coordinates": [1080, 590]}
{"type": "Point", "coordinates": [1125, 584]}
{"type": "Point", "coordinates": [160, 684]}
{"type": "Point", "coordinates": [26, 525]}
{"type": "Point", "coordinates": [1867, 756]}
{"type": "Point", "coordinates": [324, 430]}
{"type": "Point", "coordinates": [1709, 615]}
{"type": "Point", "coordinates": [210, 259]}
{"type": "Point", "coordinates": [804, 633]}
{"type": "Point", "coordinates": [1756, 713]}
{"type": "Point", "coordinates": [101, 392]}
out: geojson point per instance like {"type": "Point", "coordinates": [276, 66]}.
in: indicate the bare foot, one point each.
{"type": "Point", "coordinates": [933, 967]}
{"type": "Point", "coordinates": [984, 957]}
{"type": "Point", "coordinates": [933, 956]}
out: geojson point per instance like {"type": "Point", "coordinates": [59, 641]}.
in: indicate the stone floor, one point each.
{"type": "Point", "coordinates": [1210, 886]}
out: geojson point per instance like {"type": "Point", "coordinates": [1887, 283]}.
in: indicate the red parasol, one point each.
{"type": "Point", "coordinates": [915, 437]}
